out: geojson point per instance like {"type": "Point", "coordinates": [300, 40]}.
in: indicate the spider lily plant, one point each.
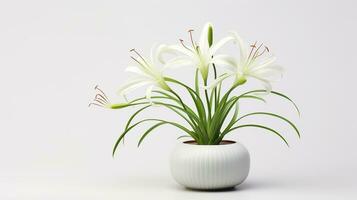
{"type": "Point", "coordinates": [212, 112]}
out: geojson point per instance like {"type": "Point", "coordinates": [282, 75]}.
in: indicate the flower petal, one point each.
{"type": "Point", "coordinates": [153, 54]}
{"type": "Point", "coordinates": [181, 61]}
{"type": "Point", "coordinates": [241, 45]}
{"type": "Point", "coordinates": [149, 93]}
{"type": "Point", "coordinates": [218, 80]}
{"type": "Point", "coordinates": [220, 44]}
{"type": "Point", "coordinates": [133, 85]}
{"type": "Point", "coordinates": [272, 73]}
{"type": "Point", "coordinates": [203, 43]}
{"type": "Point", "coordinates": [178, 48]}
{"type": "Point", "coordinates": [227, 61]}
{"type": "Point", "coordinates": [264, 63]}
{"type": "Point", "coordinates": [136, 70]}
{"type": "Point", "coordinates": [164, 49]}
{"type": "Point", "coordinates": [266, 83]}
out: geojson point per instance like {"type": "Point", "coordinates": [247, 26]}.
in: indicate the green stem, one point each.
{"type": "Point", "coordinates": [215, 89]}
{"type": "Point", "coordinates": [208, 103]}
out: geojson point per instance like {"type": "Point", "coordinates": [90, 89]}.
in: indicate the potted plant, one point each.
{"type": "Point", "coordinates": [206, 160]}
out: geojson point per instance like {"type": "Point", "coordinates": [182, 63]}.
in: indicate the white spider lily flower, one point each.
{"type": "Point", "coordinates": [101, 100]}
{"type": "Point", "coordinates": [252, 63]}
{"type": "Point", "coordinates": [147, 74]}
{"type": "Point", "coordinates": [200, 56]}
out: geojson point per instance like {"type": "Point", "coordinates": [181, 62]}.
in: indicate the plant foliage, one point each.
{"type": "Point", "coordinates": [211, 113]}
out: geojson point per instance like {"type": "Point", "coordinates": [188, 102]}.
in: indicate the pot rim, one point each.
{"type": "Point", "coordinates": [224, 142]}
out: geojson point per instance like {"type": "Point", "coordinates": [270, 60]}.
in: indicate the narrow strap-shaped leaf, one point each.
{"type": "Point", "coordinates": [168, 96]}
{"type": "Point", "coordinates": [183, 136]}
{"type": "Point", "coordinates": [157, 125]}
{"type": "Point", "coordinates": [149, 130]}
{"type": "Point", "coordinates": [140, 110]}
{"type": "Point", "coordinates": [215, 88]}
{"type": "Point", "coordinates": [225, 111]}
{"type": "Point", "coordinates": [233, 119]}
{"type": "Point", "coordinates": [196, 99]}
{"type": "Point", "coordinates": [263, 127]}
{"type": "Point", "coordinates": [184, 85]}
{"type": "Point", "coordinates": [252, 97]}
{"type": "Point", "coordinates": [225, 97]}
{"type": "Point", "coordinates": [219, 93]}
{"type": "Point", "coordinates": [141, 121]}
{"type": "Point", "coordinates": [188, 110]}
{"type": "Point", "coordinates": [197, 87]}
{"type": "Point", "coordinates": [212, 99]}
{"type": "Point", "coordinates": [278, 94]}
{"type": "Point", "coordinates": [274, 115]}
{"type": "Point", "coordinates": [173, 108]}
{"type": "Point", "coordinates": [235, 115]}
{"type": "Point", "coordinates": [199, 106]}
{"type": "Point", "coordinates": [135, 114]}
{"type": "Point", "coordinates": [219, 118]}
{"type": "Point", "coordinates": [198, 103]}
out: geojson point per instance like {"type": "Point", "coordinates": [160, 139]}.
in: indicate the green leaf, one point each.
{"type": "Point", "coordinates": [275, 93]}
{"type": "Point", "coordinates": [183, 136]}
{"type": "Point", "coordinates": [274, 115]}
{"type": "Point", "coordinates": [252, 97]}
{"type": "Point", "coordinates": [183, 85]}
{"type": "Point", "coordinates": [197, 87]}
{"type": "Point", "coordinates": [145, 120]}
{"type": "Point", "coordinates": [233, 119]}
{"type": "Point", "coordinates": [195, 97]}
{"type": "Point", "coordinates": [263, 127]}
{"type": "Point", "coordinates": [173, 108]}
{"type": "Point", "coordinates": [216, 98]}
{"type": "Point", "coordinates": [149, 130]}
{"type": "Point", "coordinates": [162, 122]}
{"type": "Point", "coordinates": [145, 107]}
{"type": "Point", "coordinates": [211, 99]}
{"type": "Point", "coordinates": [135, 114]}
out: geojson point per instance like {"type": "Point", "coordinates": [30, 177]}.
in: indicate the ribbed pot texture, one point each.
{"type": "Point", "coordinates": [210, 167]}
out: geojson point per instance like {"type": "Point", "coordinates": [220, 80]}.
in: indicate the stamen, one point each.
{"type": "Point", "coordinates": [135, 60]}
{"type": "Point", "coordinates": [101, 91]}
{"type": "Point", "coordinates": [267, 48]}
{"type": "Point", "coordinates": [251, 51]}
{"type": "Point", "coordinates": [99, 101]}
{"type": "Point", "coordinates": [99, 96]}
{"type": "Point", "coordinates": [102, 97]}
{"type": "Point", "coordinates": [133, 50]}
{"type": "Point", "coordinates": [181, 41]}
{"type": "Point", "coordinates": [95, 105]}
{"type": "Point", "coordinates": [191, 37]}
{"type": "Point", "coordinates": [257, 51]}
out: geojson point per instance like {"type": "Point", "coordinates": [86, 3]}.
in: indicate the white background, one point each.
{"type": "Point", "coordinates": [53, 53]}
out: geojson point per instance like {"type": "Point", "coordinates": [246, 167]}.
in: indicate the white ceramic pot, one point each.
{"type": "Point", "coordinates": [210, 167]}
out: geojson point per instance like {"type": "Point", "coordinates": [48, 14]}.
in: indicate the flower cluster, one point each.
{"type": "Point", "coordinates": [252, 62]}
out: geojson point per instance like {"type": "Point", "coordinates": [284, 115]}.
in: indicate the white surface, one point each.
{"type": "Point", "coordinates": [52, 53]}
{"type": "Point", "coordinates": [163, 187]}
{"type": "Point", "coordinates": [209, 166]}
